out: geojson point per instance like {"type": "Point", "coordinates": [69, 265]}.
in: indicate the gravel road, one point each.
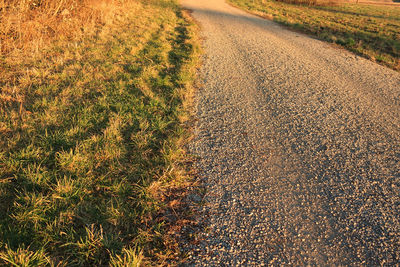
{"type": "Point", "coordinates": [298, 146]}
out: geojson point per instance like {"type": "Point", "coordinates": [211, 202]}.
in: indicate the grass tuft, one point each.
{"type": "Point", "coordinates": [24, 257]}
{"type": "Point", "coordinates": [128, 258]}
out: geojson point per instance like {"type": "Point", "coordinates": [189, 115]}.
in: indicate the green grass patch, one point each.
{"type": "Point", "coordinates": [369, 30]}
{"type": "Point", "coordinates": [90, 134]}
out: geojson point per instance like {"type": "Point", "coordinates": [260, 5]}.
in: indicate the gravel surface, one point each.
{"type": "Point", "coordinates": [298, 148]}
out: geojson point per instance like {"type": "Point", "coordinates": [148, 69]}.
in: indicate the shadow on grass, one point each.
{"type": "Point", "coordinates": [358, 14]}
{"type": "Point", "coordinates": [117, 133]}
{"type": "Point", "coordinates": [374, 45]}
{"type": "Point", "coordinates": [356, 41]}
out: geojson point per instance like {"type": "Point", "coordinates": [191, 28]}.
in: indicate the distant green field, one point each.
{"type": "Point", "coordinates": [369, 30]}
{"type": "Point", "coordinates": [91, 133]}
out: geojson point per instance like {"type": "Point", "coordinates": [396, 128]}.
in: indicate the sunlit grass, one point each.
{"type": "Point", "coordinates": [90, 133]}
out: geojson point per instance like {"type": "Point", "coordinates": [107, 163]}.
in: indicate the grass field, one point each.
{"type": "Point", "coordinates": [92, 129]}
{"type": "Point", "coordinates": [372, 31]}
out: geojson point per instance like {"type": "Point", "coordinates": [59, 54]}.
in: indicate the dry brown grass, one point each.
{"type": "Point", "coordinates": [27, 26]}
{"type": "Point", "coordinates": [311, 2]}
{"type": "Point", "coordinates": [30, 28]}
